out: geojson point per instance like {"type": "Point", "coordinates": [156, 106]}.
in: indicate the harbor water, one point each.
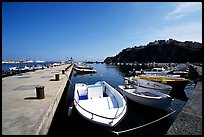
{"type": "Point", "coordinates": [5, 67]}
{"type": "Point", "coordinates": [136, 116]}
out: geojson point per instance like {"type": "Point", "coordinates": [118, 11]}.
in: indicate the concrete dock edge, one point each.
{"type": "Point", "coordinates": [189, 120]}
{"type": "Point", "coordinates": [44, 127]}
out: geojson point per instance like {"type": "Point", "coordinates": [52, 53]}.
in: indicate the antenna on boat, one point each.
{"type": "Point", "coordinates": [101, 77]}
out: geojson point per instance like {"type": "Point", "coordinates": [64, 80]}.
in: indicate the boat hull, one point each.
{"type": "Point", "coordinates": [84, 71]}
{"type": "Point", "coordinates": [162, 102]}
{"type": "Point", "coordinates": [175, 83]}
{"type": "Point", "coordinates": [150, 84]}
{"type": "Point", "coordinates": [106, 108]}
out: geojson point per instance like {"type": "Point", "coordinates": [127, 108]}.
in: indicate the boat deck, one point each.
{"type": "Point", "coordinates": [100, 103]}
{"type": "Point", "coordinates": [102, 110]}
{"type": "Point", "coordinates": [148, 94]}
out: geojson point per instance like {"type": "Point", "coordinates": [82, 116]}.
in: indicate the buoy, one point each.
{"type": "Point", "coordinates": [70, 111]}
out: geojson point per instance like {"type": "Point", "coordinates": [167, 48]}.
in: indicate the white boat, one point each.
{"type": "Point", "coordinates": [79, 70]}
{"type": "Point", "coordinates": [163, 76]}
{"type": "Point", "coordinates": [82, 74]}
{"type": "Point", "coordinates": [149, 84]}
{"type": "Point", "coordinates": [55, 64]}
{"type": "Point", "coordinates": [100, 103]}
{"type": "Point", "coordinates": [82, 66]}
{"type": "Point", "coordinates": [160, 71]}
{"type": "Point", "coordinates": [148, 97]}
{"type": "Point", "coordinates": [13, 68]}
{"type": "Point", "coordinates": [25, 68]}
{"type": "Point", "coordinates": [175, 82]}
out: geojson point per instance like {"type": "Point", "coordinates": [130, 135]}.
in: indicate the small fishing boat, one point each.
{"type": "Point", "coordinates": [149, 84]}
{"type": "Point", "coordinates": [13, 68]}
{"type": "Point", "coordinates": [99, 103]}
{"type": "Point", "coordinates": [160, 78]}
{"type": "Point", "coordinates": [145, 96]}
{"type": "Point", "coordinates": [82, 66]}
{"type": "Point", "coordinates": [25, 69]}
{"type": "Point", "coordinates": [174, 82]}
{"type": "Point", "coordinates": [80, 70]}
{"type": "Point", "coordinates": [152, 71]}
{"type": "Point", "coordinates": [82, 74]}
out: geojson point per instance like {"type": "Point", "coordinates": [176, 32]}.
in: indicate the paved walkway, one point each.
{"type": "Point", "coordinates": [22, 112]}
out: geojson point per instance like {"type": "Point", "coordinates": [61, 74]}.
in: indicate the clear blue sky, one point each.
{"type": "Point", "coordinates": [93, 30]}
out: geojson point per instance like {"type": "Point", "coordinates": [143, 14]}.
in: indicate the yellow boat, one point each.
{"type": "Point", "coordinates": [172, 81]}
{"type": "Point", "coordinates": [162, 79]}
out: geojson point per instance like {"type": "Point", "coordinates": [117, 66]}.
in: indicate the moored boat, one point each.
{"type": "Point", "coordinates": [149, 84]}
{"type": "Point", "coordinates": [172, 81]}
{"type": "Point", "coordinates": [100, 103]}
{"type": "Point", "coordinates": [82, 66]}
{"type": "Point", "coordinates": [148, 97]}
{"type": "Point", "coordinates": [13, 68]}
{"type": "Point", "coordinates": [160, 71]}
{"type": "Point", "coordinates": [80, 70]}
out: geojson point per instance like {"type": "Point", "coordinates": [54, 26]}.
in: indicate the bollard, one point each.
{"type": "Point", "coordinates": [40, 92]}
{"type": "Point", "coordinates": [56, 77]}
{"type": "Point", "coordinates": [63, 72]}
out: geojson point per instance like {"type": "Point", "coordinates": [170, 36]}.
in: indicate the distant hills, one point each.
{"type": "Point", "coordinates": [160, 51]}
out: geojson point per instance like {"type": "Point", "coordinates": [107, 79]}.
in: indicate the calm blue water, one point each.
{"type": "Point", "coordinates": [136, 115]}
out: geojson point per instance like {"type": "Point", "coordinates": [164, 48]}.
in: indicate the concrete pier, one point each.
{"type": "Point", "coordinates": [22, 112]}
{"type": "Point", "coordinates": [198, 69]}
{"type": "Point", "coordinates": [189, 120]}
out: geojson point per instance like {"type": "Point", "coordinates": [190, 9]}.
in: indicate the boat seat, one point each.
{"type": "Point", "coordinates": [95, 92]}
{"type": "Point", "coordinates": [82, 92]}
{"type": "Point", "coordinates": [81, 89]}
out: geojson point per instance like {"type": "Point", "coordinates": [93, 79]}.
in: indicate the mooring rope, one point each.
{"type": "Point", "coordinates": [70, 81]}
{"type": "Point", "coordinates": [127, 130]}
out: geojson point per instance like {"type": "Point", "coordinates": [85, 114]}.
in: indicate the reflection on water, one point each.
{"type": "Point", "coordinates": [81, 74]}
{"type": "Point", "coordinates": [137, 114]}
{"type": "Point", "coordinates": [178, 94]}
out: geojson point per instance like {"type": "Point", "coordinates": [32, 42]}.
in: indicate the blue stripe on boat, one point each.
{"type": "Point", "coordinates": [83, 97]}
